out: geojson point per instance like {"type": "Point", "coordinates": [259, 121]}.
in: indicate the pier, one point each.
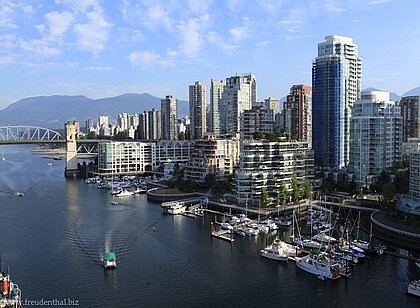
{"type": "Point", "coordinates": [225, 235]}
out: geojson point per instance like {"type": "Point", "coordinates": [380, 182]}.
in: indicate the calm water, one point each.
{"type": "Point", "coordinates": [53, 238]}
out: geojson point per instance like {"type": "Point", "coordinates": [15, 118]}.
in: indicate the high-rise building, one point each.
{"type": "Point", "coordinates": [375, 136]}
{"type": "Point", "coordinates": [258, 119]}
{"type": "Point", "coordinates": [336, 85]}
{"type": "Point", "coordinates": [410, 109]}
{"type": "Point", "coordinates": [124, 121]}
{"type": "Point", "coordinates": [154, 124]}
{"type": "Point", "coordinates": [198, 104]}
{"type": "Point", "coordinates": [169, 109]}
{"type": "Point", "coordinates": [89, 126]}
{"type": "Point", "coordinates": [274, 104]}
{"type": "Point", "coordinates": [143, 127]}
{"type": "Point", "coordinates": [238, 95]}
{"type": "Point", "coordinates": [103, 121]}
{"type": "Point", "coordinates": [297, 113]}
{"type": "Point", "coordinates": [216, 91]}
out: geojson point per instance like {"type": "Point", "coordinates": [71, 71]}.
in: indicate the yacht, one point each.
{"type": "Point", "coordinates": [110, 261]}
{"type": "Point", "coordinates": [414, 287]}
{"type": "Point", "coordinates": [116, 191]}
{"type": "Point", "coordinates": [125, 193]}
{"type": "Point", "coordinates": [320, 266]}
{"type": "Point", "coordinates": [275, 251]}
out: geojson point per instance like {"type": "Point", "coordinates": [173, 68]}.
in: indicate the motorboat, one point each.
{"type": "Point", "coordinates": [361, 244]}
{"type": "Point", "coordinates": [177, 208]}
{"type": "Point", "coordinates": [140, 190]}
{"type": "Point", "coordinates": [413, 287]}
{"type": "Point", "coordinates": [226, 226]}
{"type": "Point", "coordinates": [125, 193]}
{"type": "Point", "coordinates": [114, 202]}
{"type": "Point", "coordinates": [19, 193]}
{"type": "Point", "coordinates": [109, 260]}
{"type": "Point", "coordinates": [115, 191]}
{"type": "Point", "coordinates": [320, 266]}
{"type": "Point", "coordinates": [275, 252]}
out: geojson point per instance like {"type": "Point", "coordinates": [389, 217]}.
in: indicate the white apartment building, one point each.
{"type": "Point", "coordinates": [120, 157]}
{"type": "Point", "coordinates": [216, 91]}
{"type": "Point", "coordinates": [375, 136]}
{"type": "Point", "coordinates": [268, 164]}
{"type": "Point", "coordinates": [239, 93]}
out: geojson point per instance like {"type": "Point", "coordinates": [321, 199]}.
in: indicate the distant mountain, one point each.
{"type": "Point", "coordinates": [413, 92]}
{"type": "Point", "coordinates": [54, 111]}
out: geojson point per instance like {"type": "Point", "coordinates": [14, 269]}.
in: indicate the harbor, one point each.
{"type": "Point", "coordinates": [162, 258]}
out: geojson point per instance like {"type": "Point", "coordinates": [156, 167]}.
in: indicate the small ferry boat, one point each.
{"type": "Point", "coordinates": [414, 287]}
{"type": "Point", "coordinates": [110, 261]}
{"type": "Point", "coordinates": [19, 193]}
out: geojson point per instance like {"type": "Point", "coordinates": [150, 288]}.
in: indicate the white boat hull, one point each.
{"type": "Point", "coordinates": [273, 256]}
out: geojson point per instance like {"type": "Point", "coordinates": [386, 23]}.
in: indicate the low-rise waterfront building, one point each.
{"type": "Point", "coordinates": [212, 156]}
{"type": "Point", "coordinates": [117, 157]}
{"type": "Point", "coordinates": [265, 164]}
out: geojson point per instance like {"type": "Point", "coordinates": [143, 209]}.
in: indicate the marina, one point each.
{"type": "Point", "coordinates": [163, 259]}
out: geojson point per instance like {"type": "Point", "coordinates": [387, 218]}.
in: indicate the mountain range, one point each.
{"type": "Point", "coordinates": [53, 111]}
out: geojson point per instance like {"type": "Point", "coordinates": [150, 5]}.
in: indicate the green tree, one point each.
{"type": "Point", "coordinates": [209, 180]}
{"type": "Point", "coordinates": [401, 182]}
{"type": "Point", "coordinates": [388, 196]}
{"type": "Point", "coordinates": [282, 194]}
{"type": "Point", "coordinates": [307, 189]}
{"type": "Point", "coordinates": [295, 189]}
{"type": "Point", "coordinates": [259, 135]}
{"type": "Point", "coordinates": [265, 198]}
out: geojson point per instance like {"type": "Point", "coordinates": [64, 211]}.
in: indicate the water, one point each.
{"type": "Point", "coordinates": [54, 236]}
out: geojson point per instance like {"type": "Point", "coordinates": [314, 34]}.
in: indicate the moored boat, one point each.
{"type": "Point", "coordinates": [275, 251]}
{"type": "Point", "coordinates": [109, 260]}
{"type": "Point", "coordinates": [413, 287]}
{"type": "Point", "coordinates": [320, 266]}
{"type": "Point", "coordinates": [125, 193]}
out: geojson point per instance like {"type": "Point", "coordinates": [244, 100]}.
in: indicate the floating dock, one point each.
{"type": "Point", "coordinates": [226, 235]}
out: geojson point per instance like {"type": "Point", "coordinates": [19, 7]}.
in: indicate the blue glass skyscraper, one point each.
{"type": "Point", "coordinates": [336, 85]}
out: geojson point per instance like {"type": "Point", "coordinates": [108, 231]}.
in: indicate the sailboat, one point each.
{"type": "Point", "coordinates": [358, 242]}
{"type": "Point", "coordinates": [2, 155]}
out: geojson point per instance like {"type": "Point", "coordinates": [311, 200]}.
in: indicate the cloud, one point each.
{"type": "Point", "coordinates": [57, 25]}
{"type": "Point", "coordinates": [7, 9]}
{"type": "Point", "coordinates": [99, 68]}
{"type": "Point", "coordinates": [333, 7]}
{"type": "Point", "coordinates": [93, 35]}
{"type": "Point", "coordinates": [39, 46]}
{"type": "Point", "coordinates": [271, 6]}
{"type": "Point", "coordinates": [234, 5]}
{"type": "Point", "coordinates": [147, 58]}
{"type": "Point", "coordinates": [239, 33]}
{"type": "Point", "coordinates": [157, 16]}
{"type": "Point", "coordinates": [294, 16]}
{"type": "Point", "coordinates": [375, 2]}
{"type": "Point", "coordinates": [214, 38]}
{"type": "Point", "coordinates": [199, 6]}
{"type": "Point", "coordinates": [190, 35]}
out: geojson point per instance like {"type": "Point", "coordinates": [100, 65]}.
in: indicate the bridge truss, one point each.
{"type": "Point", "coordinates": [24, 134]}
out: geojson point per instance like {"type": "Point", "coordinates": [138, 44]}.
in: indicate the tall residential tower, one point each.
{"type": "Point", "coordinates": [336, 85]}
{"type": "Point", "coordinates": [169, 109]}
{"type": "Point", "coordinates": [198, 104]}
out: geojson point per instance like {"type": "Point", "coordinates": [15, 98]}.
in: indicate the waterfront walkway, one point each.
{"type": "Point", "coordinates": [382, 220]}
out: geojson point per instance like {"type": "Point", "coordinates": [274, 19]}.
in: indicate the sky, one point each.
{"type": "Point", "coordinates": [107, 48]}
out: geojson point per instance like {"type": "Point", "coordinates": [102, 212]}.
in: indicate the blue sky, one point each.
{"type": "Point", "coordinates": [106, 48]}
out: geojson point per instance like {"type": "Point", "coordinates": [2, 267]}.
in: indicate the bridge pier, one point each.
{"type": "Point", "coordinates": [71, 170]}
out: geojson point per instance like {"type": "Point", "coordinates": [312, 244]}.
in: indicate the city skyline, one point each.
{"type": "Point", "coordinates": [101, 49]}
